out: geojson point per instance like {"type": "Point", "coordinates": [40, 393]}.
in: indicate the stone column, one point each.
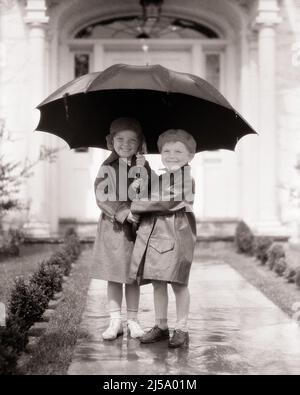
{"type": "Point", "coordinates": [247, 148]}
{"type": "Point", "coordinates": [266, 21]}
{"type": "Point", "coordinates": [38, 218]}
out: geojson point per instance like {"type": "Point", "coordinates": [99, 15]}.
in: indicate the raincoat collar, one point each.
{"type": "Point", "coordinates": [114, 156]}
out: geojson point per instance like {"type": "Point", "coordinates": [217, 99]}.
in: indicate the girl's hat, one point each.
{"type": "Point", "coordinates": [173, 135]}
{"type": "Point", "coordinates": [121, 124]}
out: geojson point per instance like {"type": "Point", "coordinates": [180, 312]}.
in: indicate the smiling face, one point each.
{"type": "Point", "coordinates": [174, 154]}
{"type": "Point", "coordinates": [126, 143]}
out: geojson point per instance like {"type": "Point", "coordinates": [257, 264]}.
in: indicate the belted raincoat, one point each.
{"type": "Point", "coordinates": [166, 237]}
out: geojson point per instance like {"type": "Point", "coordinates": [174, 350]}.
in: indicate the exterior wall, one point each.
{"type": "Point", "coordinates": [14, 108]}
{"type": "Point", "coordinates": [288, 103]}
{"type": "Point", "coordinates": [17, 69]}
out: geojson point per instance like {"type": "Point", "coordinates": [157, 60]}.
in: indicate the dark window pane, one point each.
{"type": "Point", "coordinates": [135, 26]}
{"type": "Point", "coordinates": [213, 69]}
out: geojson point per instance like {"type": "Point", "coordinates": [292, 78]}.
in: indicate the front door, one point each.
{"type": "Point", "coordinates": [216, 192]}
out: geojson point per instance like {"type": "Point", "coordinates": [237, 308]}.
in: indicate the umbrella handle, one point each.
{"type": "Point", "coordinates": [138, 176]}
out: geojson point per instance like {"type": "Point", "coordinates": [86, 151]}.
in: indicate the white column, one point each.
{"type": "Point", "coordinates": [247, 148]}
{"type": "Point", "coordinates": [198, 68]}
{"type": "Point", "coordinates": [38, 218]}
{"type": "Point", "coordinates": [269, 221]}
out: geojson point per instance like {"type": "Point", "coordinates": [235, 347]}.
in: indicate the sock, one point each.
{"type": "Point", "coordinates": [162, 323]}
{"type": "Point", "coordinates": [114, 315]}
{"type": "Point", "coordinates": [181, 325]}
{"type": "Point", "coordinates": [132, 315]}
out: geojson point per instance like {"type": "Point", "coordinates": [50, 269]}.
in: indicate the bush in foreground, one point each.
{"type": "Point", "coordinates": [28, 301]}
{"type": "Point", "coordinates": [49, 278]}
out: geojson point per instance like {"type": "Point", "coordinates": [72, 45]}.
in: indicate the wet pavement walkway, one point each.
{"type": "Point", "coordinates": [234, 329]}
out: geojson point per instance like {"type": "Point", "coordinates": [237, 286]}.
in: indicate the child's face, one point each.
{"type": "Point", "coordinates": [175, 155]}
{"type": "Point", "coordinates": [126, 143]}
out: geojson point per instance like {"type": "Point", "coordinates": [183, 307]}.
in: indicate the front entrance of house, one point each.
{"type": "Point", "coordinates": [216, 192]}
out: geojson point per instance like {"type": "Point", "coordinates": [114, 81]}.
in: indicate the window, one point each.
{"type": "Point", "coordinates": [81, 64]}
{"type": "Point", "coordinates": [81, 67]}
{"type": "Point", "coordinates": [213, 69]}
{"type": "Point", "coordinates": [132, 27]}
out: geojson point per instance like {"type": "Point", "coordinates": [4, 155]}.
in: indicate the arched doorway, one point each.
{"type": "Point", "coordinates": [179, 43]}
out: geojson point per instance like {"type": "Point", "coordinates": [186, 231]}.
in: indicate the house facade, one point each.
{"type": "Point", "coordinates": [249, 49]}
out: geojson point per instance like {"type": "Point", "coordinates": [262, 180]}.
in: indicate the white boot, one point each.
{"type": "Point", "coordinates": [114, 330]}
{"type": "Point", "coordinates": [134, 329]}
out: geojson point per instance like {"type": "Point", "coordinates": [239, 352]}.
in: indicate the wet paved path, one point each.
{"type": "Point", "coordinates": [234, 329]}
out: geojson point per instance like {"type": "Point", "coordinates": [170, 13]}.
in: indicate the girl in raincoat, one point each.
{"type": "Point", "coordinates": [166, 237]}
{"type": "Point", "coordinates": [115, 234]}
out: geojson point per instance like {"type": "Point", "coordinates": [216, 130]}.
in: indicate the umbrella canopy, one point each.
{"type": "Point", "coordinates": [81, 111]}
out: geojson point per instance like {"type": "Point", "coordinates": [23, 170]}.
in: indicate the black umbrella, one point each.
{"type": "Point", "coordinates": [81, 111]}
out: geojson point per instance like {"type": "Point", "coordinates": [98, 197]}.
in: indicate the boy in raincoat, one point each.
{"type": "Point", "coordinates": [166, 237]}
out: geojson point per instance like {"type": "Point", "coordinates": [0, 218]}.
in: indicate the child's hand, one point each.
{"type": "Point", "coordinates": [133, 218]}
{"type": "Point", "coordinates": [140, 160]}
{"type": "Point", "coordinates": [137, 184]}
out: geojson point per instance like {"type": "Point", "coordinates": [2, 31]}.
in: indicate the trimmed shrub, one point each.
{"type": "Point", "coordinates": [10, 243]}
{"type": "Point", "coordinates": [68, 253]}
{"type": "Point", "coordinates": [71, 239]}
{"type": "Point", "coordinates": [27, 304]}
{"type": "Point", "coordinates": [62, 260]}
{"type": "Point", "coordinates": [290, 274]}
{"type": "Point", "coordinates": [274, 253]}
{"type": "Point", "coordinates": [8, 360]}
{"type": "Point", "coordinates": [297, 277]}
{"type": "Point", "coordinates": [244, 238]}
{"type": "Point", "coordinates": [29, 301]}
{"type": "Point", "coordinates": [261, 246]}
{"type": "Point", "coordinates": [14, 337]}
{"type": "Point", "coordinates": [49, 278]}
{"type": "Point", "coordinates": [70, 232]}
{"type": "Point", "coordinates": [280, 266]}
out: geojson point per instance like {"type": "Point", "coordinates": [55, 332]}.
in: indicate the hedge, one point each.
{"type": "Point", "coordinates": [28, 301]}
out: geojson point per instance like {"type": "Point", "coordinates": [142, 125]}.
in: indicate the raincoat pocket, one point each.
{"type": "Point", "coordinates": [161, 245]}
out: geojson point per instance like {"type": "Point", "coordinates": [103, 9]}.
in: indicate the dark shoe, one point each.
{"type": "Point", "coordinates": [155, 335]}
{"type": "Point", "coordinates": [179, 339]}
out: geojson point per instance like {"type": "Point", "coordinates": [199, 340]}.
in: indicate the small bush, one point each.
{"type": "Point", "coordinates": [8, 360]}
{"type": "Point", "coordinates": [48, 278]}
{"type": "Point", "coordinates": [261, 246]}
{"type": "Point", "coordinates": [71, 239]}
{"type": "Point", "coordinates": [68, 253]}
{"type": "Point", "coordinates": [27, 304]}
{"type": "Point", "coordinates": [280, 266]}
{"type": "Point", "coordinates": [10, 243]}
{"type": "Point", "coordinates": [14, 337]}
{"type": "Point", "coordinates": [70, 232]}
{"type": "Point", "coordinates": [274, 253]}
{"type": "Point", "coordinates": [244, 238]}
{"type": "Point", "coordinates": [62, 260]}
{"type": "Point", "coordinates": [297, 277]}
{"type": "Point", "coordinates": [290, 274]}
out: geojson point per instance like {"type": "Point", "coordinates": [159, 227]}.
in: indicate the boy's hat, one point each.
{"type": "Point", "coordinates": [121, 124]}
{"type": "Point", "coordinates": [173, 135]}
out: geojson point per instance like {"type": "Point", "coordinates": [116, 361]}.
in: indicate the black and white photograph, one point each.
{"type": "Point", "coordinates": [149, 190]}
